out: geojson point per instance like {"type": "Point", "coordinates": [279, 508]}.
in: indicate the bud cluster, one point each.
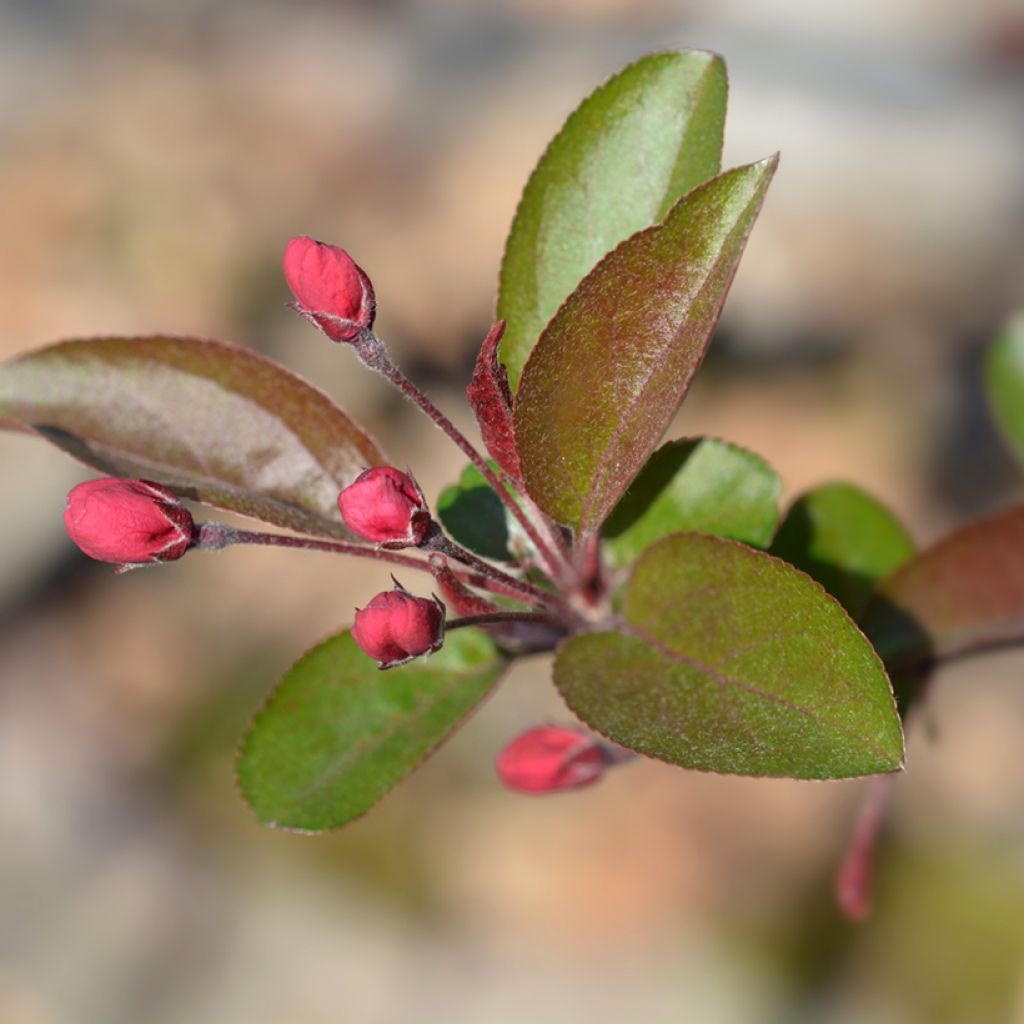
{"type": "Point", "coordinates": [132, 522]}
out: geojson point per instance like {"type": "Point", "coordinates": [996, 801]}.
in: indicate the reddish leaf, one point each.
{"type": "Point", "coordinates": [613, 365]}
{"type": "Point", "coordinates": [491, 401]}
{"type": "Point", "coordinates": [963, 594]}
{"type": "Point", "coordinates": [212, 421]}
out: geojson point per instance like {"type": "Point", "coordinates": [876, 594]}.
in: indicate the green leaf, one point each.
{"type": "Point", "coordinates": [729, 660]}
{"type": "Point", "coordinates": [613, 365]}
{"type": "Point", "coordinates": [1004, 381]}
{"type": "Point", "coordinates": [845, 539]}
{"type": "Point", "coordinates": [215, 422]}
{"type": "Point", "coordinates": [628, 152]}
{"type": "Point", "coordinates": [337, 734]}
{"type": "Point", "coordinates": [696, 484]}
{"type": "Point", "coordinates": [963, 594]}
{"type": "Point", "coordinates": [475, 516]}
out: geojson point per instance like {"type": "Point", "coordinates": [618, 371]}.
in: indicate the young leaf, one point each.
{"type": "Point", "coordinates": [613, 365]}
{"type": "Point", "coordinates": [628, 152]}
{"type": "Point", "coordinates": [697, 484]}
{"type": "Point", "coordinates": [729, 660]}
{"type": "Point", "coordinates": [475, 516]}
{"type": "Point", "coordinates": [212, 421]}
{"type": "Point", "coordinates": [963, 594]}
{"type": "Point", "coordinates": [1004, 381]}
{"type": "Point", "coordinates": [337, 734]}
{"type": "Point", "coordinates": [845, 539]}
{"type": "Point", "coordinates": [491, 401]}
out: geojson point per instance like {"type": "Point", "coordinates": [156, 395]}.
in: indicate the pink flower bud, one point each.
{"type": "Point", "coordinates": [549, 758]}
{"type": "Point", "coordinates": [396, 627]}
{"type": "Point", "coordinates": [386, 506]}
{"type": "Point", "coordinates": [129, 522]}
{"type": "Point", "coordinates": [329, 289]}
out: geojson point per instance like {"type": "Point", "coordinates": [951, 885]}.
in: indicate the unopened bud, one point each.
{"type": "Point", "coordinates": [549, 758]}
{"type": "Point", "coordinates": [387, 507]}
{"type": "Point", "coordinates": [396, 627]}
{"type": "Point", "coordinates": [129, 522]}
{"type": "Point", "coordinates": [329, 288]}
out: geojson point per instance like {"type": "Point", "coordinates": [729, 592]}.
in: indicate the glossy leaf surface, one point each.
{"type": "Point", "coordinates": [337, 734]}
{"type": "Point", "coordinates": [961, 595]}
{"type": "Point", "coordinates": [474, 515]}
{"type": "Point", "coordinates": [212, 421]}
{"type": "Point", "coordinates": [845, 539]}
{"type": "Point", "coordinates": [1004, 381]}
{"type": "Point", "coordinates": [696, 484]}
{"type": "Point", "coordinates": [730, 660]}
{"type": "Point", "coordinates": [628, 152]}
{"type": "Point", "coordinates": [613, 365]}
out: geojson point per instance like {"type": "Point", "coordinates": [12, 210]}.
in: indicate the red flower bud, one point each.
{"type": "Point", "coordinates": [549, 758]}
{"type": "Point", "coordinates": [329, 289]}
{"type": "Point", "coordinates": [396, 627]}
{"type": "Point", "coordinates": [129, 522]}
{"type": "Point", "coordinates": [386, 506]}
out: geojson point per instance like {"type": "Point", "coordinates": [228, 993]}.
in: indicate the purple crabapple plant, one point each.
{"type": "Point", "coordinates": [687, 622]}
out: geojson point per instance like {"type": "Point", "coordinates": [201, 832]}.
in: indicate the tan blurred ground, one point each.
{"type": "Point", "coordinates": [153, 159]}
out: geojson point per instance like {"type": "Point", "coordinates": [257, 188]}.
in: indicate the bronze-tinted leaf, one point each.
{"type": "Point", "coordinates": [613, 365]}
{"type": "Point", "coordinates": [963, 594]}
{"type": "Point", "coordinates": [215, 422]}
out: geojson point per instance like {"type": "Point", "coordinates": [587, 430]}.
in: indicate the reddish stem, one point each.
{"type": "Point", "coordinates": [371, 351]}
{"type": "Point", "coordinates": [499, 618]}
{"type": "Point", "coordinates": [214, 536]}
{"type": "Point", "coordinates": [438, 542]}
{"type": "Point", "coordinates": [854, 878]}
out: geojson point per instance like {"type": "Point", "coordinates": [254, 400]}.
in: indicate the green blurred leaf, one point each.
{"type": "Point", "coordinates": [1004, 381]}
{"type": "Point", "coordinates": [475, 516]}
{"type": "Point", "coordinates": [215, 422]}
{"type": "Point", "coordinates": [338, 734]}
{"type": "Point", "coordinates": [730, 660]}
{"type": "Point", "coordinates": [845, 539]}
{"type": "Point", "coordinates": [696, 484]}
{"type": "Point", "coordinates": [963, 594]}
{"type": "Point", "coordinates": [613, 365]}
{"type": "Point", "coordinates": [628, 152]}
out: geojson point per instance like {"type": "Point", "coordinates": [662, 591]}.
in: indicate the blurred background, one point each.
{"type": "Point", "coordinates": [154, 158]}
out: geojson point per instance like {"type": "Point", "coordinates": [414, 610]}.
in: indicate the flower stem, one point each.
{"type": "Point", "coordinates": [371, 351]}
{"type": "Point", "coordinates": [438, 542]}
{"type": "Point", "coordinates": [498, 618]}
{"type": "Point", "coordinates": [214, 536]}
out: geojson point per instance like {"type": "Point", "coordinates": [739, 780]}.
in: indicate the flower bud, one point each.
{"type": "Point", "coordinates": [329, 288]}
{"type": "Point", "coordinates": [396, 627]}
{"type": "Point", "coordinates": [549, 758]}
{"type": "Point", "coordinates": [130, 522]}
{"type": "Point", "coordinates": [387, 507]}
